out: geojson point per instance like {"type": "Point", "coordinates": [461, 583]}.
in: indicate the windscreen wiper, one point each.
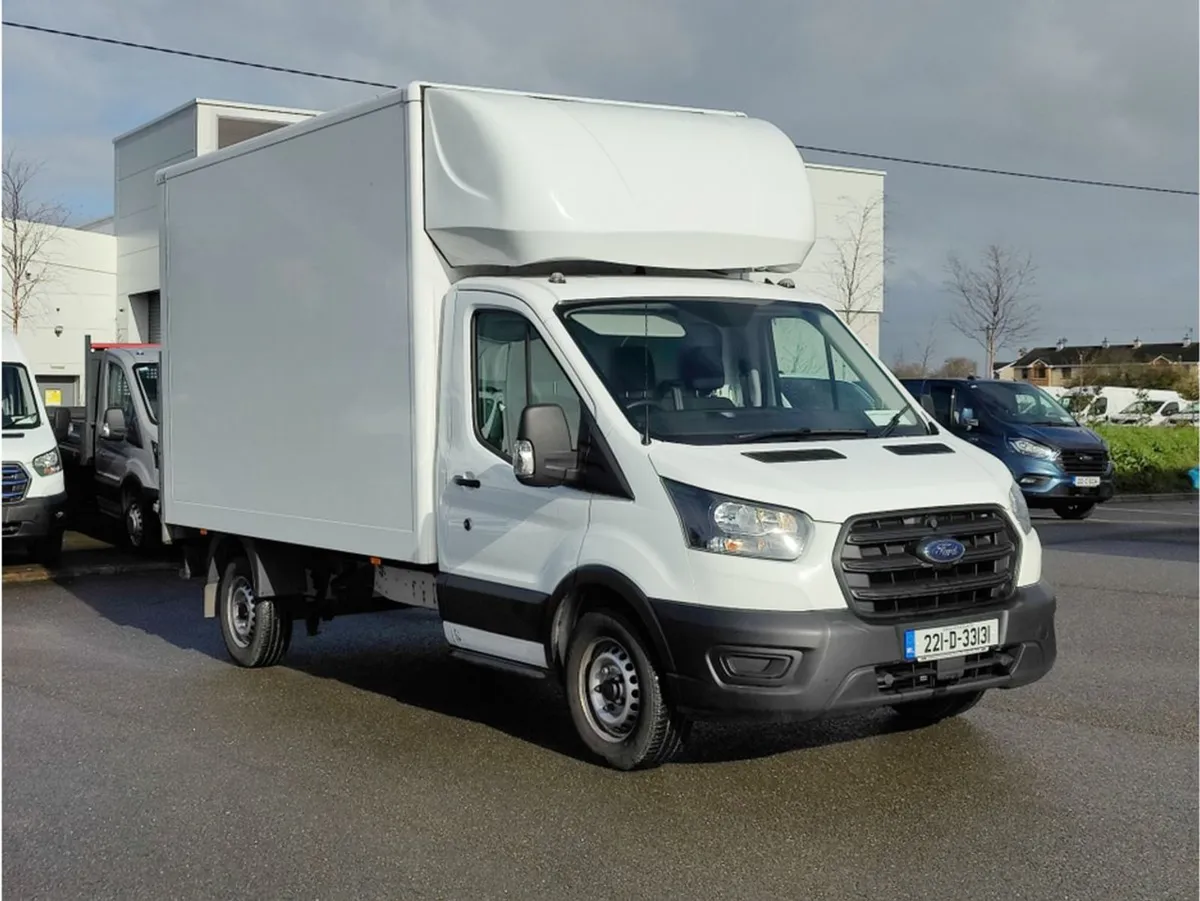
{"type": "Point", "coordinates": [895, 421]}
{"type": "Point", "coordinates": [798, 435]}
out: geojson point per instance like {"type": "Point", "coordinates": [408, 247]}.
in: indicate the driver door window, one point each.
{"type": "Point", "coordinates": [119, 395]}
{"type": "Point", "coordinates": [943, 400]}
{"type": "Point", "coordinates": [514, 367]}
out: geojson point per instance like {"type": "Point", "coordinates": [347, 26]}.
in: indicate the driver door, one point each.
{"type": "Point", "coordinates": [503, 547]}
{"type": "Point", "coordinates": [110, 453]}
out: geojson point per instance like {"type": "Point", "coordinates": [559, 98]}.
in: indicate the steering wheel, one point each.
{"type": "Point", "coordinates": [643, 402]}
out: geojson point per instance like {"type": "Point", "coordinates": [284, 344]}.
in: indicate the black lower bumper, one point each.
{"type": "Point", "coordinates": [797, 666]}
{"type": "Point", "coordinates": [34, 517]}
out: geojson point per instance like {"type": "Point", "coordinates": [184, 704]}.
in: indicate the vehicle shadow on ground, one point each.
{"type": "Point", "coordinates": [403, 656]}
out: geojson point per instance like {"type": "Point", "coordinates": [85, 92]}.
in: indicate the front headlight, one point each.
{"type": "Point", "coordinates": [1033, 449]}
{"type": "Point", "coordinates": [1020, 509]}
{"type": "Point", "coordinates": [726, 525]}
{"type": "Point", "coordinates": [47, 464]}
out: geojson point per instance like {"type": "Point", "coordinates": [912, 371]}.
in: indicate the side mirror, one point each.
{"type": "Point", "coordinates": [967, 418]}
{"type": "Point", "coordinates": [60, 422]}
{"type": "Point", "coordinates": [927, 405]}
{"type": "Point", "coordinates": [113, 427]}
{"type": "Point", "coordinates": [542, 457]}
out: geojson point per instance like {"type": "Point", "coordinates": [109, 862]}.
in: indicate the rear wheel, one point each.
{"type": "Point", "coordinates": [615, 696]}
{"type": "Point", "coordinates": [934, 710]}
{"type": "Point", "coordinates": [257, 631]}
{"type": "Point", "coordinates": [1075, 509]}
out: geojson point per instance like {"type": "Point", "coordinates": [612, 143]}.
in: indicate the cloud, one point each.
{"type": "Point", "coordinates": [1106, 91]}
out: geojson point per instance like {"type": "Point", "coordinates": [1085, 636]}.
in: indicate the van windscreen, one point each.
{"type": "Point", "coordinates": [20, 403]}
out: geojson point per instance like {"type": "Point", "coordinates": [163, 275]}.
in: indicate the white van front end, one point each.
{"type": "Point", "coordinates": [815, 581]}
{"type": "Point", "coordinates": [34, 493]}
{"type": "Point", "coordinates": [768, 524]}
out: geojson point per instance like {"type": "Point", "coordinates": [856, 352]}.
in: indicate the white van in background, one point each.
{"type": "Point", "coordinates": [1092, 403]}
{"type": "Point", "coordinates": [35, 497]}
{"type": "Point", "coordinates": [1150, 410]}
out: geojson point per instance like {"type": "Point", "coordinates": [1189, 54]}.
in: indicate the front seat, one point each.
{"type": "Point", "coordinates": [632, 373]}
{"type": "Point", "coordinates": [702, 373]}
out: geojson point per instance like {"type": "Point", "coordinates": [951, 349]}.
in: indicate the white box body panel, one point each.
{"type": "Point", "coordinates": [302, 288]}
{"type": "Point", "coordinates": [291, 398]}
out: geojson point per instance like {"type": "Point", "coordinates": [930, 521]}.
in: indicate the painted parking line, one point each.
{"type": "Point", "coordinates": [1189, 514]}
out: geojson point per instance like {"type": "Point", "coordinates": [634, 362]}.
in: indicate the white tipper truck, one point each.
{"type": "Point", "coordinates": [534, 363]}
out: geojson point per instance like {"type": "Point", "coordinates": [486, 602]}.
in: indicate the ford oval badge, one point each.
{"type": "Point", "coordinates": [941, 551]}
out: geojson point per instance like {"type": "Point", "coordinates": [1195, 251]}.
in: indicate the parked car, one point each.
{"type": "Point", "coordinates": [1100, 403]}
{"type": "Point", "coordinates": [110, 451]}
{"type": "Point", "coordinates": [1058, 463]}
{"type": "Point", "coordinates": [35, 498]}
{"type": "Point", "coordinates": [1189, 414]}
{"type": "Point", "coordinates": [1148, 411]}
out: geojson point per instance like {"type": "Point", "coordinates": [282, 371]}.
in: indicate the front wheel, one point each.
{"type": "Point", "coordinates": [933, 710]}
{"type": "Point", "coordinates": [142, 529]}
{"type": "Point", "coordinates": [615, 696]}
{"type": "Point", "coordinates": [257, 631]}
{"type": "Point", "coordinates": [1075, 510]}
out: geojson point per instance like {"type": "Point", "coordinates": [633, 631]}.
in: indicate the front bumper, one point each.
{"type": "Point", "coordinates": [1045, 486]}
{"type": "Point", "coordinates": [34, 517]}
{"type": "Point", "coordinates": [832, 662]}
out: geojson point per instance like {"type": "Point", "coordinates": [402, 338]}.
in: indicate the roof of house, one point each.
{"type": "Point", "coordinates": [1114, 354]}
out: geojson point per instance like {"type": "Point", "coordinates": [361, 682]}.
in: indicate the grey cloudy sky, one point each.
{"type": "Point", "coordinates": [1086, 88]}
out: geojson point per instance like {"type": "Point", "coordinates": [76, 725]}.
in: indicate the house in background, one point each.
{"type": "Point", "coordinates": [1058, 366]}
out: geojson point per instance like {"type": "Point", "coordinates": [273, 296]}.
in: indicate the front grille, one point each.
{"type": "Point", "coordinates": [1084, 463]}
{"type": "Point", "coordinates": [16, 482]}
{"type": "Point", "coordinates": [899, 677]}
{"type": "Point", "coordinates": [884, 579]}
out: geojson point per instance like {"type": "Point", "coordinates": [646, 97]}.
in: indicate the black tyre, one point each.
{"type": "Point", "coordinates": [615, 695]}
{"type": "Point", "coordinates": [142, 531]}
{"type": "Point", "coordinates": [1075, 509]}
{"type": "Point", "coordinates": [934, 710]}
{"type": "Point", "coordinates": [47, 550]}
{"type": "Point", "coordinates": [257, 632]}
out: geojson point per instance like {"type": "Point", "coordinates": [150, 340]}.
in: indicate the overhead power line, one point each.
{"type": "Point", "coordinates": [324, 76]}
{"type": "Point", "coordinates": [97, 39]}
{"type": "Point", "coordinates": [1011, 174]}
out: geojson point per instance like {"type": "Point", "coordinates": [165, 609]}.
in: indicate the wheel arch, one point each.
{"type": "Point", "coordinates": [278, 570]}
{"type": "Point", "coordinates": [592, 587]}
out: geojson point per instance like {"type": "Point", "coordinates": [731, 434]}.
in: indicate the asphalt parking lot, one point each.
{"type": "Point", "coordinates": [138, 763]}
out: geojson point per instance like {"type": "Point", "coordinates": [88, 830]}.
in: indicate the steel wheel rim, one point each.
{"type": "Point", "coordinates": [610, 690]}
{"type": "Point", "coordinates": [134, 523]}
{"type": "Point", "coordinates": [240, 613]}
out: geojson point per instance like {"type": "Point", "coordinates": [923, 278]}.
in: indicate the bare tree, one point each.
{"type": "Point", "coordinates": [956, 368]}
{"type": "Point", "coordinates": [918, 367]}
{"type": "Point", "coordinates": [30, 228]}
{"type": "Point", "coordinates": [856, 269]}
{"type": "Point", "coordinates": [993, 300]}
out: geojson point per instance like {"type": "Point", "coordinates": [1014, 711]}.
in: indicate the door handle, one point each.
{"type": "Point", "coordinates": [466, 481]}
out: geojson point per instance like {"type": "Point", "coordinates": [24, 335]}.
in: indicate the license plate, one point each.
{"type": "Point", "coordinates": [951, 641]}
{"type": "Point", "coordinates": [1087, 481]}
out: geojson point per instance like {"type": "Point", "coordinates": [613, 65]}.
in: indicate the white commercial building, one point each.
{"type": "Point", "coordinates": [103, 280]}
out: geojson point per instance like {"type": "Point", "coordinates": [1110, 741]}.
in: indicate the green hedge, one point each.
{"type": "Point", "coordinates": [1152, 459]}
